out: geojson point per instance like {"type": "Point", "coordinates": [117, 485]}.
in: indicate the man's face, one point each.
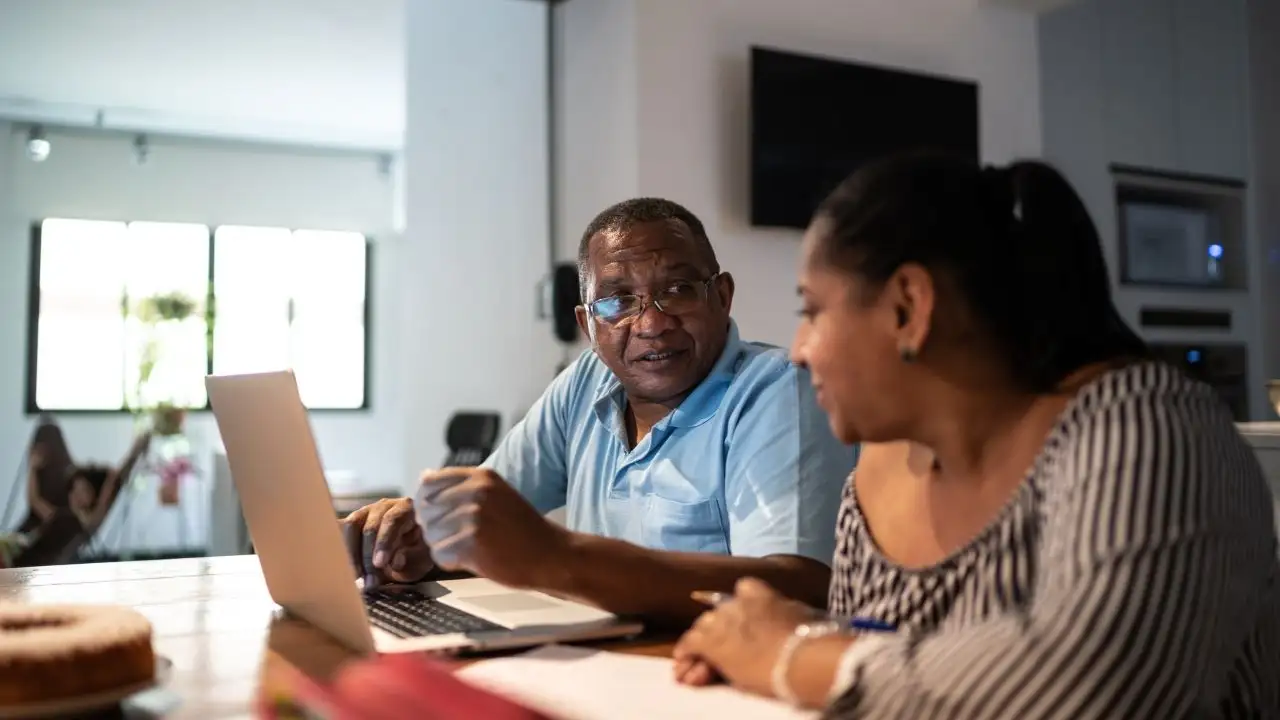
{"type": "Point", "coordinates": [658, 356]}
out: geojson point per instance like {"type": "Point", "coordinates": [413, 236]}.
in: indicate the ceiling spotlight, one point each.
{"type": "Point", "coordinates": [141, 150]}
{"type": "Point", "coordinates": [38, 146]}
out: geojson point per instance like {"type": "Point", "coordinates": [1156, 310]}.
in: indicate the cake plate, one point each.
{"type": "Point", "coordinates": [86, 704]}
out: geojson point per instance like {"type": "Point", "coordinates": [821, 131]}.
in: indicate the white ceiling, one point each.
{"type": "Point", "coordinates": [311, 69]}
{"type": "Point", "coordinates": [1032, 5]}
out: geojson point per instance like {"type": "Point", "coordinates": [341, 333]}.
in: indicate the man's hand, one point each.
{"type": "Point", "coordinates": [475, 521]}
{"type": "Point", "coordinates": [385, 543]}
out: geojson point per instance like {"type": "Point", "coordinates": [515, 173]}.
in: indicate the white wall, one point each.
{"type": "Point", "coordinates": [93, 177]}
{"type": "Point", "coordinates": [691, 97]}
{"type": "Point", "coordinates": [329, 69]}
{"type": "Point", "coordinates": [476, 238]}
{"type": "Point", "coordinates": [598, 144]}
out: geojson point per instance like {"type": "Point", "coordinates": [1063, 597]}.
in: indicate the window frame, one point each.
{"type": "Point", "coordinates": [31, 407]}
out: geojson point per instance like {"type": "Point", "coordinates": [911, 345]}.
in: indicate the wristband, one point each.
{"type": "Point", "coordinates": [782, 666]}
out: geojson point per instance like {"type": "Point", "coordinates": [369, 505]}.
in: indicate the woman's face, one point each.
{"type": "Point", "coordinates": [849, 337]}
{"type": "Point", "coordinates": [82, 494]}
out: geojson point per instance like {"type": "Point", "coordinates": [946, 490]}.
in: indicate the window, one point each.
{"type": "Point", "coordinates": [135, 314]}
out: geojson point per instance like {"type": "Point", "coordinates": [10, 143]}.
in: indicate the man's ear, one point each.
{"type": "Point", "coordinates": [724, 290]}
{"type": "Point", "coordinates": [584, 322]}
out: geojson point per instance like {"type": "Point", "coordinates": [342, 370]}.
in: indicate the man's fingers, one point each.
{"type": "Point", "coordinates": [457, 551]}
{"type": "Point", "coordinates": [353, 535]}
{"type": "Point", "coordinates": [434, 509]}
{"type": "Point", "coordinates": [390, 528]}
{"type": "Point", "coordinates": [435, 482]}
{"type": "Point", "coordinates": [369, 540]}
{"type": "Point", "coordinates": [448, 525]}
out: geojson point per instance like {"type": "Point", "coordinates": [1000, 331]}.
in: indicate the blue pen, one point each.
{"type": "Point", "coordinates": [864, 624]}
{"type": "Point", "coordinates": [861, 624]}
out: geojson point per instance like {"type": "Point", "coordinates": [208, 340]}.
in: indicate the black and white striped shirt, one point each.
{"type": "Point", "coordinates": [1133, 575]}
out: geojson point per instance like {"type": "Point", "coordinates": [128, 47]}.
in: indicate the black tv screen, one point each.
{"type": "Point", "coordinates": [814, 121]}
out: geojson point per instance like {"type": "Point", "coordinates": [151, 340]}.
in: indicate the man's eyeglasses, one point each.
{"type": "Point", "coordinates": [678, 298]}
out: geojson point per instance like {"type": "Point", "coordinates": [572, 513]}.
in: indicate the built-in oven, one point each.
{"type": "Point", "coordinates": [1223, 366]}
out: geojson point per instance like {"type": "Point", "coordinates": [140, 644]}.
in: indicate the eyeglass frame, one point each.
{"type": "Point", "coordinates": [645, 303]}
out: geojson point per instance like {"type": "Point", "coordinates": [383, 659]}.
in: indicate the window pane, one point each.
{"type": "Point", "coordinates": [80, 333]}
{"type": "Point", "coordinates": [88, 354]}
{"type": "Point", "coordinates": [82, 256]}
{"type": "Point", "coordinates": [329, 353]}
{"type": "Point", "coordinates": [252, 262]}
{"type": "Point", "coordinates": [329, 265]}
{"type": "Point", "coordinates": [167, 278]}
{"type": "Point", "coordinates": [251, 336]}
{"type": "Point", "coordinates": [289, 299]}
{"type": "Point", "coordinates": [251, 286]}
{"type": "Point", "coordinates": [79, 360]}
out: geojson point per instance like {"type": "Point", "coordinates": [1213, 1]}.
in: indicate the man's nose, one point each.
{"type": "Point", "coordinates": [652, 322]}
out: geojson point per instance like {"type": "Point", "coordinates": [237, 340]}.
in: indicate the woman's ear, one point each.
{"type": "Point", "coordinates": [913, 296]}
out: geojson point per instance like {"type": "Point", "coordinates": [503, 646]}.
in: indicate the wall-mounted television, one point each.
{"type": "Point", "coordinates": [815, 120]}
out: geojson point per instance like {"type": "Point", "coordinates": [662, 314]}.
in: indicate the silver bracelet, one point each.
{"type": "Point", "coordinates": [782, 666]}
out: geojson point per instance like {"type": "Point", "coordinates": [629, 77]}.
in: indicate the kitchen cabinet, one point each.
{"type": "Point", "coordinates": [1172, 84]}
{"type": "Point", "coordinates": [1138, 82]}
{"type": "Point", "coordinates": [1211, 78]}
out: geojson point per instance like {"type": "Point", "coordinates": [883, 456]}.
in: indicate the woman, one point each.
{"type": "Point", "coordinates": [1058, 527]}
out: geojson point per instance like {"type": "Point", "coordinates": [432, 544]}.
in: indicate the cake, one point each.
{"type": "Point", "coordinates": [55, 652]}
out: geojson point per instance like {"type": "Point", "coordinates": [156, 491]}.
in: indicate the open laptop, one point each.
{"type": "Point", "coordinates": [277, 472]}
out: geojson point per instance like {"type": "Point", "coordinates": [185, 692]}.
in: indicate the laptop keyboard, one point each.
{"type": "Point", "coordinates": [409, 613]}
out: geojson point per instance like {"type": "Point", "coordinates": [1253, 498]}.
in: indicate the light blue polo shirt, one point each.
{"type": "Point", "coordinates": [746, 465]}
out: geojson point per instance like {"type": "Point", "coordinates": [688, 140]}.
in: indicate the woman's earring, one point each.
{"type": "Point", "coordinates": [908, 354]}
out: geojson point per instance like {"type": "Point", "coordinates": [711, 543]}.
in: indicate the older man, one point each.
{"type": "Point", "coordinates": [686, 458]}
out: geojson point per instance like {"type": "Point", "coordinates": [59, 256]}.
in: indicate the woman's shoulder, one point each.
{"type": "Point", "coordinates": [1146, 440]}
{"type": "Point", "coordinates": [1142, 398]}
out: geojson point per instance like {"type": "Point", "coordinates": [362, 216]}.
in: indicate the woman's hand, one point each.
{"type": "Point", "coordinates": [740, 639]}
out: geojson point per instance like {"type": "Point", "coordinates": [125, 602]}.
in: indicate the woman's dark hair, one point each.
{"type": "Point", "coordinates": [95, 475]}
{"type": "Point", "coordinates": [1016, 242]}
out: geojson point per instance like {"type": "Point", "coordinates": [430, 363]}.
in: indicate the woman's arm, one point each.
{"type": "Point", "coordinates": [1158, 540]}
{"type": "Point", "coordinates": [102, 504]}
{"type": "Point", "coordinates": [41, 507]}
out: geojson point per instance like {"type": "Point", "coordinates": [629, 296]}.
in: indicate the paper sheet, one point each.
{"type": "Point", "coordinates": [583, 684]}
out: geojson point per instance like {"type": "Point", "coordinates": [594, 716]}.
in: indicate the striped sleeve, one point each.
{"type": "Point", "coordinates": [1157, 527]}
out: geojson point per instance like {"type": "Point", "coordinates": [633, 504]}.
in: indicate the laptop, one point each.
{"type": "Point", "coordinates": [277, 472]}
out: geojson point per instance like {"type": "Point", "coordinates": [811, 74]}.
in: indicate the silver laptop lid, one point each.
{"type": "Point", "coordinates": [277, 471]}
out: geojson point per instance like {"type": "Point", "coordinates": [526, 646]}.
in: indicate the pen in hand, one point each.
{"type": "Point", "coordinates": [860, 624]}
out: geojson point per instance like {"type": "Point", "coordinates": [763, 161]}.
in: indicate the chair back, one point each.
{"type": "Point", "coordinates": [471, 437]}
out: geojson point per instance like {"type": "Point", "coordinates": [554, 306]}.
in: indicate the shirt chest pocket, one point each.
{"type": "Point", "coordinates": [682, 526]}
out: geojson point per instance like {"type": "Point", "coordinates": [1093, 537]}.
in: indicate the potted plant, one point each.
{"type": "Point", "coordinates": [169, 460]}
{"type": "Point", "coordinates": [156, 313]}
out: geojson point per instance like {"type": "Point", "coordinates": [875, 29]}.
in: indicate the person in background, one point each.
{"type": "Point", "coordinates": [55, 529]}
{"type": "Point", "coordinates": [687, 457]}
{"type": "Point", "coordinates": [91, 488]}
{"type": "Point", "coordinates": [1055, 527]}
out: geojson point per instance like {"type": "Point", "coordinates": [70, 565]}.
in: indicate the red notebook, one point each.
{"type": "Point", "coordinates": [391, 687]}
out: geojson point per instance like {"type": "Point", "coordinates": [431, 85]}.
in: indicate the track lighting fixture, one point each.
{"type": "Point", "coordinates": [141, 150]}
{"type": "Point", "coordinates": [38, 146]}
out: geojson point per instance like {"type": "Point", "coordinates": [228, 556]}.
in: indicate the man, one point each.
{"type": "Point", "coordinates": [687, 458]}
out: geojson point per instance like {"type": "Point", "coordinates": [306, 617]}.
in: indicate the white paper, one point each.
{"type": "Point", "coordinates": [582, 684]}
